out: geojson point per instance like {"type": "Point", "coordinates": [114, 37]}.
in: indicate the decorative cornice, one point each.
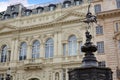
{"type": "Point", "coordinates": [42, 26]}
{"type": "Point", "coordinates": [63, 10]}
{"type": "Point", "coordinates": [108, 14]}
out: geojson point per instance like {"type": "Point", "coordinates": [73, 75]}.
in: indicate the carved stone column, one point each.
{"type": "Point", "coordinates": [29, 52]}
{"type": "Point", "coordinates": [42, 50]}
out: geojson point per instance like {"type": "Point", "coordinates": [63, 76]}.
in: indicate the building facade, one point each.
{"type": "Point", "coordinates": [44, 42]}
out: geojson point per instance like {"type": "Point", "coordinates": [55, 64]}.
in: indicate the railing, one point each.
{"type": "Point", "coordinates": [43, 61]}
{"type": "Point", "coordinates": [5, 64]}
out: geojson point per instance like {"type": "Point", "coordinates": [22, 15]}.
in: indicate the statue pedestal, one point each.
{"type": "Point", "coordinates": [90, 73]}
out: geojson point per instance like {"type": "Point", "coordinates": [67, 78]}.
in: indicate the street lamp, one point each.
{"type": "Point", "coordinates": [8, 74]}
{"type": "Point", "coordinates": [90, 69]}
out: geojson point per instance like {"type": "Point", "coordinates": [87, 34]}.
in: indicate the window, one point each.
{"type": "Point", "coordinates": [51, 8]}
{"type": "Point", "coordinates": [12, 8]}
{"type": "Point", "coordinates": [101, 64]}
{"type": "Point", "coordinates": [97, 8]}
{"type": "Point", "coordinates": [35, 49]}
{"type": "Point", "coordinates": [119, 44]}
{"type": "Point", "coordinates": [67, 4]}
{"type": "Point", "coordinates": [49, 48]}
{"type": "Point", "coordinates": [6, 16]}
{"type": "Point", "coordinates": [100, 46]}
{"type": "Point", "coordinates": [72, 43]}
{"type": "Point", "coordinates": [78, 2]}
{"type": "Point", "coordinates": [80, 46]}
{"type": "Point", "coordinates": [15, 14]}
{"type": "Point", "coordinates": [4, 53]}
{"type": "Point", "coordinates": [1, 76]}
{"type": "Point", "coordinates": [118, 3]}
{"type": "Point", "coordinates": [99, 30]}
{"type": "Point", "coordinates": [28, 12]}
{"type": "Point", "coordinates": [23, 51]}
{"type": "Point", "coordinates": [64, 49]}
{"type": "Point", "coordinates": [116, 27]}
{"type": "Point", "coordinates": [0, 15]}
{"type": "Point", "coordinates": [39, 10]}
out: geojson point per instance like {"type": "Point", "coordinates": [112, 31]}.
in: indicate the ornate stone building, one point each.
{"type": "Point", "coordinates": [44, 42]}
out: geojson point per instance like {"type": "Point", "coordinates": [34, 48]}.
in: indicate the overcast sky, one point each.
{"type": "Point", "coordinates": [5, 3]}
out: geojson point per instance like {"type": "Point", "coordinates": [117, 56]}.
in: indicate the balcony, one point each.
{"type": "Point", "coordinates": [32, 64]}
{"type": "Point", "coordinates": [40, 63]}
{"type": "Point", "coordinates": [4, 64]}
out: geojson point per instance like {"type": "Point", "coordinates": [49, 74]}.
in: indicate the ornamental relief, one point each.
{"type": "Point", "coordinates": [32, 74]}
{"type": "Point", "coordinates": [66, 34]}
{"type": "Point", "coordinates": [63, 16]}
{"type": "Point", "coordinates": [5, 42]}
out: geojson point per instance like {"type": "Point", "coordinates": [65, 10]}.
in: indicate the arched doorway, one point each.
{"type": "Point", "coordinates": [34, 79]}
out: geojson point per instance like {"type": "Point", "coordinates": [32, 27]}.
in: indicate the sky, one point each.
{"type": "Point", "coordinates": [5, 3]}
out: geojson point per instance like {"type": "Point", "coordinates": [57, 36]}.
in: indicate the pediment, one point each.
{"type": "Point", "coordinates": [6, 28]}
{"type": "Point", "coordinates": [70, 16]}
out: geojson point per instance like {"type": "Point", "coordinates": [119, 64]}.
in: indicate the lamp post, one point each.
{"type": "Point", "coordinates": [8, 74]}
{"type": "Point", "coordinates": [90, 69]}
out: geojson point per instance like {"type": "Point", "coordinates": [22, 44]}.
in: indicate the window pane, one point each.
{"type": "Point", "coordinates": [1, 76]}
{"type": "Point", "coordinates": [67, 5]}
{"type": "Point", "coordinates": [23, 51]}
{"type": "Point", "coordinates": [97, 8]}
{"type": "Point", "coordinates": [99, 30]}
{"type": "Point", "coordinates": [100, 46]}
{"type": "Point", "coordinates": [35, 49]}
{"type": "Point", "coordinates": [49, 48]}
{"type": "Point", "coordinates": [39, 10]}
{"type": "Point", "coordinates": [4, 53]}
{"type": "Point", "coordinates": [51, 8]}
{"type": "Point", "coordinates": [116, 27]}
{"type": "Point", "coordinates": [101, 64]}
{"type": "Point", "coordinates": [72, 45]}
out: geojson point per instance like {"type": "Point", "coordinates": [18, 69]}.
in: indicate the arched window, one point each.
{"type": "Point", "coordinates": [12, 8]}
{"type": "Point", "coordinates": [35, 49]}
{"type": "Point", "coordinates": [4, 53]}
{"type": "Point", "coordinates": [6, 16]}
{"type": "Point", "coordinates": [49, 48]}
{"type": "Point", "coordinates": [23, 51]}
{"type": "Point", "coordinates": [72, 43]}
{"type": "Point", "coordinates": [52, 7]}
{"type": "Point", "coordinates": [40, 9]}
{"type": "Point", "coordinates": [15, 14]}
{"type": "Point", "coordinates": [28, 12]}
{"type": "Point", "coordinates": [78, 2]}
{"type": "Point", "coordinates": [67, 4]}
